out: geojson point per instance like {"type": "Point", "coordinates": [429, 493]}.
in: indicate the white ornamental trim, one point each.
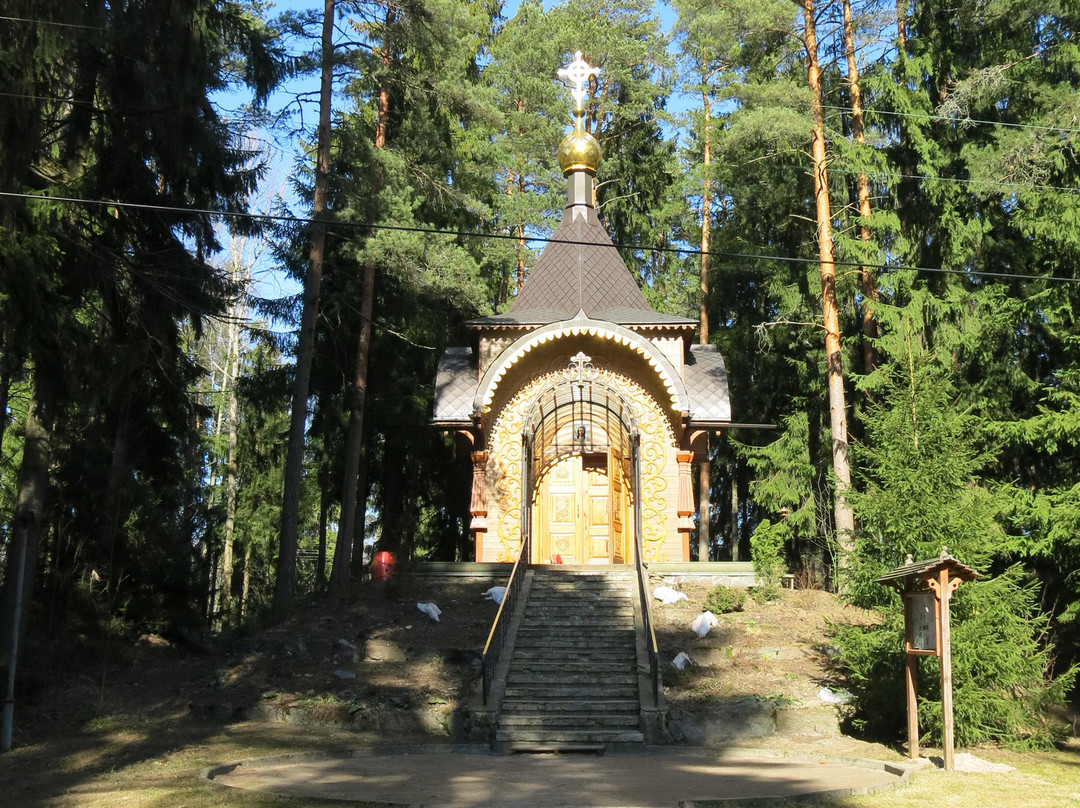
{"type": "Point", "coordinates": [580, 325]}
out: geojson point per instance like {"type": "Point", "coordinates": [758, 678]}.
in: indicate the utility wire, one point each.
{"type": "Point", "coordinates": [896, 175]}
{"type": "Point", "coordinates": [53, 22]}
{"type": "Point", "coordinates": [926, 116]}
{"type": "Point", "coordinates": [354, 225]}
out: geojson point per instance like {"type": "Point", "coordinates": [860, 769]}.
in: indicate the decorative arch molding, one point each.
{"type": "Point", "coordinates": [581, 325]}
{"type": "Point", "coordinates": [506, 460]}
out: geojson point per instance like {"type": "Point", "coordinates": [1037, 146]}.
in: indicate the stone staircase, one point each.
{"type": "Point", "coordinates": [572, 681]}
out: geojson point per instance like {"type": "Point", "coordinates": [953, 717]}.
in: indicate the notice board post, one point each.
{"type": "Point", "coordinates": [927, 588]}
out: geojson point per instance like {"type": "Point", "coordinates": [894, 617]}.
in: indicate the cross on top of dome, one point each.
{"type": "Point", "coordinates": [578, 73]}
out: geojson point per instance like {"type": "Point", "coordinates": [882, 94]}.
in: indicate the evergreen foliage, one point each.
{"type": "Point", "coordinates": [723, 599]}
{"type": "Point", "coordinates": [767, 554]}
{"type": "Point", "coordinates": [922, 490]}
{"type": "Point", "coordinates": [967, 433]}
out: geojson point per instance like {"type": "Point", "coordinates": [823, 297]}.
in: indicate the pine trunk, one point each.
{"type": "Point", "coordinates": [340, 573]}
{"type": "Point", "coordinates": [901, 27]}
{"type": "Point", "coordinates": [225, 600]}
{"type": "Point", "coordinates": [29, 514]}
{"type": "Point", "coordinates": [845, 520]}
{"type": "Point", "coordinates": [285, 579]}
{"type": "Point", "coordinates": [704, 484]}
{"type": "Point", "coordinates": [867, 278]}
{"type": "Point", "coordinates": [245, 587]}
{"type": "Point", "coordinates": [359, 526]}
{"type": "Point", "coordinates": [734, 515]}
{"type": "Point", "coordinates": [5, 395]}
{"type": "Point", "coordinates": [324, 515]}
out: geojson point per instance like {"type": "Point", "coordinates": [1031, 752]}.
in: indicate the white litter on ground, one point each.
{"type": "Point", "coordinates": [430, 609]}
{"type": "Point", "coordinates": [667, 595]}
{"type": "Point", "coordinates": [703, 622]}
{"type": "Point", "coordinates": [835, 696]}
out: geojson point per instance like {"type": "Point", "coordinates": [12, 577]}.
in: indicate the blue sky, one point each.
{"type": "Point", "coordinates": [299, 97]}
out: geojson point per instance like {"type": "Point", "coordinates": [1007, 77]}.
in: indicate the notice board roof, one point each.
{"type": "Point", "coordinates": [923, 570]}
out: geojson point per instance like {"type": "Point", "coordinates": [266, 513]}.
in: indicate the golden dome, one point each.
{"type": "Point", "coordinates": [579, 151]}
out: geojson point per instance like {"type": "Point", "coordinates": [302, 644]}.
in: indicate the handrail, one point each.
{"type": "Point", "coordinates": [501, 627]}
{"type": "Point", "coordinates": [652, 648]}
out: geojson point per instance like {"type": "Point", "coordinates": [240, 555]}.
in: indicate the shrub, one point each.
{"type": "Point", "coordinates": [767, 553]}
{"type": "Point", "coordinates": [723, 599]}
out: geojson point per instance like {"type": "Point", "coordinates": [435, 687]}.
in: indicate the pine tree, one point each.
{"type": "Point", "coordinates": [117, 290]}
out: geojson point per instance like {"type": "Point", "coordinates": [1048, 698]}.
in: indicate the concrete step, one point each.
{"type": "Point", "coordinates": [588, 624]}
{"type": "Point", "coordinates": [626, 660]}
{"type": "Point", "coordinates": [580, 582]}
{"type": "Point", "coordinates": [582, 602]}
{"type": "Point", "coordinates": [584, 707]}
{"type": "Point", "coordinates": [610, 633]}
{"type": "Point", "coordinates": [583, 667]}
{"type": "Point", "coordinates": [581, 590]}
{"type": "Point", "coordinates": [586, 650]}
{"type": "Point", "coordinates": [557, 641]}
{"type": "Point", "coordinates": [556, 651]}
{"type": "Point", "coordinates": [577, 618]}
{"type": "Point", "coordinates": [581, 571]}
{"type": "Point", "coordinates": [581, 599]}
{"type": "Point", "coordinates": [566, 679]}
{"type": "Point", "coordinates": [584, 585]}
{"type": "Point", "coordinates": [600, 736]}
{"type": "Point", "coordinates": [532, 692]}
{"type": "Point", "coordinates": [586, 609]}
{"type": "Point", "coordinates": [568, 721]}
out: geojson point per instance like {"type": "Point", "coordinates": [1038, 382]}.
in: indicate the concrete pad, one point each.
{"type": "Point", "coordinates": [457, 778]}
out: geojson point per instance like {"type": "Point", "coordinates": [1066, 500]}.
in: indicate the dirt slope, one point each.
{"type": "Point", "coordinates": [379, 665]}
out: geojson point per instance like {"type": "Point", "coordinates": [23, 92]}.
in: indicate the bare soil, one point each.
{"type": "Point", "coordinates": [378, 663]}
{"type": "Point", "coordinates": [376, 672]}
{"type": "Point", "coordinates": [779, 649]}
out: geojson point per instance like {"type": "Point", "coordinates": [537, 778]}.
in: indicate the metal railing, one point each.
{"type": "Point", "coordinates": [650, 633]}
{"type": "Point", "coordinates": [501, 627]}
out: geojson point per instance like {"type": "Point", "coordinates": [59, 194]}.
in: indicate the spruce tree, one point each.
{"type": "Point", "coordinates": [924, 491]}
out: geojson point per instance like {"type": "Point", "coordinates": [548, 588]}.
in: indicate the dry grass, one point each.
{"type": "Point", "coordinates": [1041, 780]}
{"type": "Point", "coordinates": [147, 750]}
{"type": "Point", "coordinates": [128, 761]}
{"type": "Point", "coordinates": [156, 764]}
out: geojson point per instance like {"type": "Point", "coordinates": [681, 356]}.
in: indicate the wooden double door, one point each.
{"type": "Point", "coordinates": [580, 511]}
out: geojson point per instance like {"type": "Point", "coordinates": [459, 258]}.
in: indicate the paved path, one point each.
{"type": "Point", "coordinates": [457, 779]}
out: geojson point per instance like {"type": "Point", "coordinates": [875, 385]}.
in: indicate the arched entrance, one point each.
{"type": "Point", "coordinates": [581, 471]}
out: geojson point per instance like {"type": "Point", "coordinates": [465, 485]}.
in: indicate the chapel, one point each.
{"type": "Point", "coordinates": [583, 406]}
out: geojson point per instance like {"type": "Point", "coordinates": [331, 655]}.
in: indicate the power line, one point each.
{"type": "Point", "coordinates": [52, 22]}
{"type": "Point", "coordinates": [354, 225]}
{"type": "Point", "coordinates": [926, 116]}
{"type": "Point", "coordinates": [991, 183]}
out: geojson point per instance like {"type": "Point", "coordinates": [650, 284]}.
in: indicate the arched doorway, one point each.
{"type": "Point", "coordinates": [581, 471]}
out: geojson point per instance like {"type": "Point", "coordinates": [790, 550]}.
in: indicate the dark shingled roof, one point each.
{"type": "Point", "coordinates": [706, 383]}
{"type": "Point", "coordinates": [455, 386]}
{"type": "Point", "coordinates": [580, 270]}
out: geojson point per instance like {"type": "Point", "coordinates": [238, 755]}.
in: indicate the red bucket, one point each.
{"type": "Point", "coordinates": [383, 566]}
